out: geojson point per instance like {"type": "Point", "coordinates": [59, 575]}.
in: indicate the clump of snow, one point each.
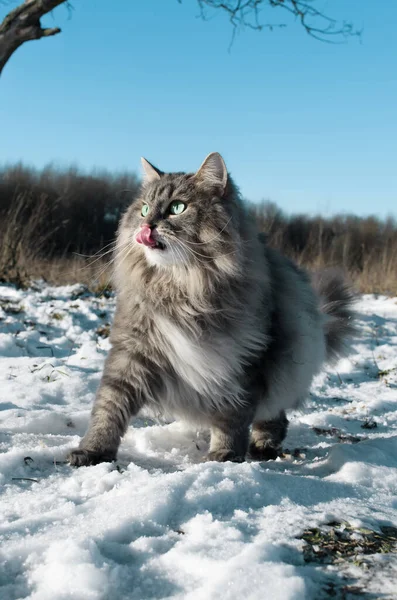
{"type": "Point", "coordinates": [162, 523]}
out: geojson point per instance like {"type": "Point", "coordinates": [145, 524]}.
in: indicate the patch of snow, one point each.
{"type": "Point", "coordinates": [164, 524]}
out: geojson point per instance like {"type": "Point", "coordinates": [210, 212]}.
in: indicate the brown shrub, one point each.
{"type": "Point", "coordinates": [50, 219]}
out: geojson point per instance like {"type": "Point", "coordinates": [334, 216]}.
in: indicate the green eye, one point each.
{"type": "Point", "coordinates": [177, 207]}
{"type": "Point", "coordinates": [145, 210]}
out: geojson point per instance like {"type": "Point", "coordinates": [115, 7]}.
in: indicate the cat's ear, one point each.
{"type": "Point", "coordinates": [151, 173]}
{"type": "Point", "coordinates": [213, 171]}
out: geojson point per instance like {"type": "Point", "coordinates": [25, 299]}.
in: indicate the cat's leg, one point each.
{"type": "Point", "coordinates": [267, 436]}
{"type": "Point", "coordinates": [116, 402]}
{"type": "Point", "coordinates": [229, 439]}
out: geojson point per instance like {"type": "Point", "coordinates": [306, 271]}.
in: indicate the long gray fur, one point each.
{"type": "Point", "coordinates": [212, 326]}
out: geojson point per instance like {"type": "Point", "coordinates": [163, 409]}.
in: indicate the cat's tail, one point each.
{"type": "Point", "coordinates": [337, 300]}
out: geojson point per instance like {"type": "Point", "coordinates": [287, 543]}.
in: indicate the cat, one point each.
{"type": "Point", "coordinates": [211, 325]}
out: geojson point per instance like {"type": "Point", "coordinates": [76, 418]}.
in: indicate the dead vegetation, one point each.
{"type": "Point", "coordinates": [338, 542]}
{"type": "Point", "coordinates": [56, 224]}
{"type": "Point", "coordinates": [345, 548]}
{"type": "Point", "coordinates": [365, 247]}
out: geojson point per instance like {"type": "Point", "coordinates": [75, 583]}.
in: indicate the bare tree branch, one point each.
{"type": "Point", "coordinates": [249, 13]}
{"type": "Point", "coordinates": [23, 24]}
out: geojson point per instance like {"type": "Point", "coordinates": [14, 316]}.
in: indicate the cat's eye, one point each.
{"type": "Point", "coordinates": [177, 207]}
{"type": "Point", "coordinates": [145, 210]}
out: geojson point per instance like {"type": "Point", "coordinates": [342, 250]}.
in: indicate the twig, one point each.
{"type": "Point", "coordinates": [247, 13]}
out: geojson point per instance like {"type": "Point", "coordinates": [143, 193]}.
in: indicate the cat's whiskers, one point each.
{"type": "Point", "coordinates": [98, 252]}
{"type": "Point", "coordinates": [182, 252]}
{"type": "Point", "coordinates": [96, 256]}
{"type": "Point", "coordinates": [105, 267]}
{"type": "Point", "coordinates": [102, 271]}
{"type": "Point", "coordinates": [178, 252]}
{"type": "Point", "coordinates": [197, 254]}
{"type": "Point", "coordinates": [188, 250]}
{"type": "Point", "coordinates": [212, 239]}
{"type": "Point", "coordinates": [90, 264]}
{"type": "Point", "coordinates": [118, 251]}
{"type": "Point", "coordinates": [182, 243]}
{"type": "Point", "coordinates": [129, 248]}
{"type": "Point", "coordinates": [93, 262]}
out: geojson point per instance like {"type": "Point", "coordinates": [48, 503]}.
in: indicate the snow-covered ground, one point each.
{"type": "Point", "coordinates": [163, 524]}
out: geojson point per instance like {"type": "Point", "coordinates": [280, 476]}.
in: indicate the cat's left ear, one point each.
{"type": "Point", "coordinates": [213, 171]}
{"type": "Point", "coordinates": [151, 173]}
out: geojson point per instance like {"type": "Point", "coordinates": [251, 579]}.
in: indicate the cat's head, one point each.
{"type": "Point", "coordinates": [183, 219]}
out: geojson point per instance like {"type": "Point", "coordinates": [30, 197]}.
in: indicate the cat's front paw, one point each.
{"type": "Point", "coordinates": [85, 458]}
{"type": "Point", "coordinates": [257, 452]}
{"type": "Point", "coordinates": [224, 455]}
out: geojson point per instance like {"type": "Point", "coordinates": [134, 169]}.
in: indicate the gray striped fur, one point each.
{"type": "Point", "coordinates": [215, 328]}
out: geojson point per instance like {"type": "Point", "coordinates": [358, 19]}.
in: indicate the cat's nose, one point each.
{"type": "Point", "coordinates": [147, 236]}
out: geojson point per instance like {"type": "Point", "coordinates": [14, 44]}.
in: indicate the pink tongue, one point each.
{"type": "Point", "coordinates": [145, 237]}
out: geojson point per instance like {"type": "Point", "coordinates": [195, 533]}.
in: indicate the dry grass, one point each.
{"type": "Point", "coordinates": [339, 542]}
{"type": "Point", "coordinates": [94, 274]}
{"type": "Point", "coordinates": [23, 238]}
{"type": "Point", "coordinates": [50, 218]}
{"type": "Point", "coordinates": [365, 248]}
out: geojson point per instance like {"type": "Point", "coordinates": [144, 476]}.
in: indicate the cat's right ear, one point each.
{"type": "Point", "coordinates": [150, 172]}
{"type": "Point", "coordinates": [213, 171]}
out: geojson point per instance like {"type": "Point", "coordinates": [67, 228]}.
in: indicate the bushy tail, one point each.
{"type": "Point", "coordinates": [336, 302]}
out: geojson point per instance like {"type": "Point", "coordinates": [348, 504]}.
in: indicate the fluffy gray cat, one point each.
{"type": "Point", "coordinates": [211, 325]}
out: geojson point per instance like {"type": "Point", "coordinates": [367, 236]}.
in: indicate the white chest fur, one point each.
{"type": "Point", "coordinates": [207, 365]}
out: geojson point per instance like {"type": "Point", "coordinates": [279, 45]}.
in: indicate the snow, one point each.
{"type": "Point", "coordinates": [162, 523]}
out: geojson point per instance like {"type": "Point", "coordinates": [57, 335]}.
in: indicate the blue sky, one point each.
{"type": "Point", "coordinates": [308, 125]}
